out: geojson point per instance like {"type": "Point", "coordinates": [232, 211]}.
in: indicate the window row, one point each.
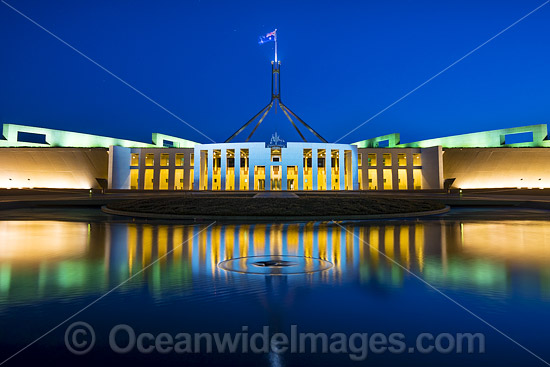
{"type": "Point", "coordinates": [386, 182]}
{"type": "Point", "coordinates": [164, 159]}
{"type": "Point", "coordinates": [163, 179]}
{"type": "Point", "coordinates": [274, 175]}
{"type": "Point", "coordinates": [387, 159]}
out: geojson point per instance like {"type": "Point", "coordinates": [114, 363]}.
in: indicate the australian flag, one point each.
{"type": "Point", "coordinates": [267, 38]}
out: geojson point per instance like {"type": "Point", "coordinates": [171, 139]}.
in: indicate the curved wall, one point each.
{"type": "Point", "coordinates": [73, 168]}
{"type": "Point", "coordinates": [475, 168]}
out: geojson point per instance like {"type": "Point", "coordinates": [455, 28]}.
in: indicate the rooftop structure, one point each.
{"type": "Point", "coordinates": [528, 136]}
{"type": "Point", "coordinates": [63, 159]}
{"type": "Point", "coordinates": [18, 136]}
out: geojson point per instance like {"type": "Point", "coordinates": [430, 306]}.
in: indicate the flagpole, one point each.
{"type": "Point", "coordinates": [275, 46]}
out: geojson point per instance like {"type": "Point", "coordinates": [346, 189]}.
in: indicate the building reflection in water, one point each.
{"type": "Point", "coordinates": [66, 259]}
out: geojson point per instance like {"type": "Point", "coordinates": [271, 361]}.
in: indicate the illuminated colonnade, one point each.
{"type": "Point", "coordinates": [254, 166]}
{"type": "Point", "coordinates": [400, 168]}
{"type": "Point", "coordinates": [151, 168]}
{"type": "Point", "coordinates": [32, 157]}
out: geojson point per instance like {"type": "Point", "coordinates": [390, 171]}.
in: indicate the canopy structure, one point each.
{"type": "Point", "coordinates": [275, 98]}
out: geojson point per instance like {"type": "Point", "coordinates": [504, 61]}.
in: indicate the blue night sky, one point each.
{"type": "Point", "coordinates": [342, 62]}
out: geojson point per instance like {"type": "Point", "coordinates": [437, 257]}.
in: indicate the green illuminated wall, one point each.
{"type": "Point", "coordinates": [392, 141]}
{"type": "Point", "coordinates": [60, 138]}
{"type": "Point", "coordinates": [484, 139]}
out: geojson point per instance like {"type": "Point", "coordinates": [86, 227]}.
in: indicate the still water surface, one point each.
{"type": "Point", "coordinates": [498, 269]}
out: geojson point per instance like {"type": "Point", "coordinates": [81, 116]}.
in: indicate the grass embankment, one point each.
{"type": "Point", "coordinates": [304, 206]}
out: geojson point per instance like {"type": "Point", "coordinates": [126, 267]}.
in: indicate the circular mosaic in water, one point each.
{"type": "Point", "coordinates": [275, 265]}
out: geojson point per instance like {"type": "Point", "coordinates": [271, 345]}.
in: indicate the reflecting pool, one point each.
{"type": "Point", "coordinates": [164, 278]}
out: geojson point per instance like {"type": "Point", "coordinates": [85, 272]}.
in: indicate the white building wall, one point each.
{"type": "Point", "coordinates": [119, 167]}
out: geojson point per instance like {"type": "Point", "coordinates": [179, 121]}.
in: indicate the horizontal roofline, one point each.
{"type": "Point", "coordinates": [482, 139]}
{"type": "Point", "coordinates": [62, 138]}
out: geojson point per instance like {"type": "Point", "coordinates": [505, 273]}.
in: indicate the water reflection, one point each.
{"type": "Point", "coordinates": [44, 259]}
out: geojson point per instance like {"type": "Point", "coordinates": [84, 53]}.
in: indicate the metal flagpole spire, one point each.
{"type": "Point", "coordinates": [275, 98]}
{"type": "Point", "coordinates": [275, 46]}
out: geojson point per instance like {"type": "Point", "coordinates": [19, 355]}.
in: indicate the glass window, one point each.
{"type": "Point", "coordinates": [134, 179]}
{"type": "Point", "coordinates": [307, 158]}
{"type": "Point", "coordinates": [402, 179]}
{"type": "Point", "coordinates": [359, 159]}
{"type": "Point", "coordinates": [134, 162]}
{"type": "Point", "coordinates": [417, 179]}
{"type": "Point", "coordinates": [372, 159]}
{"type": "Point", "coordinates": [402, 159]}
{"type": "Point", "coordinates": [259, 178]}
{"type": "Point", "coordinates": [149, 159]}
{"type": "Point", "coordinates": [192, 160]}
{"type": "Point", "coordinates": [148, 181]}
{"type": "Point", "coordinates": [163, 183]}
{"type": "Point", "coordinates": [416, 159]}
{"type": "Point", "coordinates": [373, 179]}
{"type": "Point", "coordinates": [292, 178]}
{"type": "Point", "coordinates": [275, 154]}
{"type": "Point", "coordinates": [386, 159]}
{"type": "Point", "coordinates": [388, 184]}
{"type": "Point", "coordinates": [230, 158]}
{"type": "Point", "coordinates": [321, 156]}
{"type": "Point", "coordinates": [179, 159]}
{"type": "Point", "coordinates": [164, 159]}
{"type": "Point", "coordinates": [178, 179]}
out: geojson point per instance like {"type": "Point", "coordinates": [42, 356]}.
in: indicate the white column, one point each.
{"type": "Point", "coordinates": [314, 168]}
{"type": "Point", "coordinates": [210, 167]}
{"type": "Point", "coordinates": [237, 168]}
{"type": "Point", "coordinates": [342, 169]}
{"type": "Point", "coordinates": [328, 167]}
{"type": "Point", "coordinates": [223, 168]}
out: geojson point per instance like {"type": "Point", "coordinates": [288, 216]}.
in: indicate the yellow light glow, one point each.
{"type": "Point", "coordinates": [524, 241]}
{"type": "Point", "coordinates": [38, 241]}
{"type": "Point", "coordinates": [46, 182]}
